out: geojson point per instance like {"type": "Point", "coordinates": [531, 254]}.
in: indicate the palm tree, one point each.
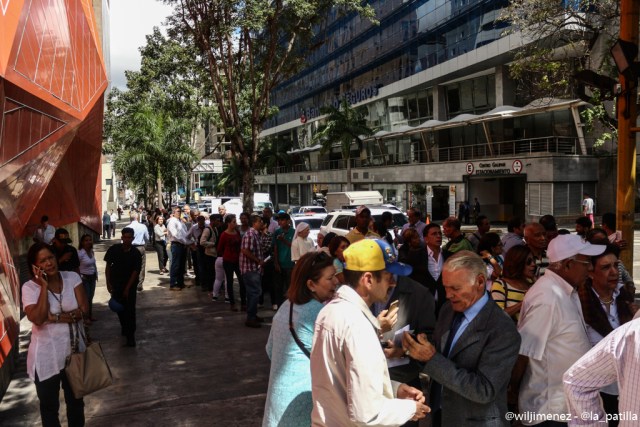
{"type": "Point", "coordinates": [343, 125]}
{"type": "Point", "coordinates": [149, 147]}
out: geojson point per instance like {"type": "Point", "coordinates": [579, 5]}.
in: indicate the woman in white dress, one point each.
{"type": "Point", "coordinates": [301, 243]}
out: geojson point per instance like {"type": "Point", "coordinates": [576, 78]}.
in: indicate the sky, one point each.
{"type": "Point", "coordinates": [131, 21]}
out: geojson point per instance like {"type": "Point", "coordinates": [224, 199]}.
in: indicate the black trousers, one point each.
{"type": "Point", "coordinates": [208, 271]}
{"type": "Point", "coordinates": [267, 283]}
{"type": "Point", "coordinates": [127, 317]}
{"type": "Point", "coordinates": [49, 396]}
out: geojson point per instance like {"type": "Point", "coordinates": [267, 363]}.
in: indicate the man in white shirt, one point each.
{"type": "Point", "coordinates": [350, 379]}
{"type": "Point", "coordinates": [114, 219]}
{"type": "Point", "coordinates": [613, 359]}
{"type": "Point", "coordinates": [433, 242]}
{"type": "Point", "coordinates": [553, 331]}
{"type": "Point", "coordinates": [140, 239]}
{"type": "Point", "coordinates": [45, 231]}
{"type": "Point", "coordinates": [587, 207]}
{"type": "Point", "coordinates": [177, 236]}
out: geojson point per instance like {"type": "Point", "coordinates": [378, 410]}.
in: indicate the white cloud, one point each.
{"type": "Point", "coordinates": [131, 21]}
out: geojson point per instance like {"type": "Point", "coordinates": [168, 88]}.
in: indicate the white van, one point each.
{"type": "Point", "coordinates": [260, 201]}
{"type": "Point", "coordinates": [352, 199]}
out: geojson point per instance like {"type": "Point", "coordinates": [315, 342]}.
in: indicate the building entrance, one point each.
{"type": "Point", "coordinates": [500, 198]}
{"type": "Point", "coordinates": [440, 203]}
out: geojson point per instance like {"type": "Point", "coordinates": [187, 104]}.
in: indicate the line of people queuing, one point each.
{"type": "Point", "coordinates": [467, 332]}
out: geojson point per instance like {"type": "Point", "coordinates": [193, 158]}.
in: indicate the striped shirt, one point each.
{"type": "Point", "coordinates": [502, 291]}
{"type": "Point", "coordinates": [615, 358]}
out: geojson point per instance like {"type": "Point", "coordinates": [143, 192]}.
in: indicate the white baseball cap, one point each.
{"type": "Point", "coordinates": [569, 245]}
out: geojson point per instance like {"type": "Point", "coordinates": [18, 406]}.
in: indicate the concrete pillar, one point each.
{"type": "Point", "coordinates": [505, 87]}
{"type": "Point", "coordinates": [439, 103]}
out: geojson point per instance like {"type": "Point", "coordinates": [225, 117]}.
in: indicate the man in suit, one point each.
{"type": "Point", "coordinates": [476, 345]}
{"type": "Point", "coordinates": [433, 242]}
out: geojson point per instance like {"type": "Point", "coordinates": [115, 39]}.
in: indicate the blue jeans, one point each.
{"type": "Point", "coordinates": [253, 284]}
{"type": "Point", "coordinates": [178, 259]}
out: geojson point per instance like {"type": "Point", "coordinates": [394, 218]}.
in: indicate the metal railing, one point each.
{"type": "Point", "coordinates": [551, 144]}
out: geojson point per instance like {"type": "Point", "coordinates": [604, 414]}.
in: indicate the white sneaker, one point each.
{"type": "Point", "coordinates": [190, 276]}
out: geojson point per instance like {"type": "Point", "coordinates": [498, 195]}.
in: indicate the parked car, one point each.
{"type": "Point", "coordinates": [310, 210]}
{"type": "Point", "coordinates": [342, 221]}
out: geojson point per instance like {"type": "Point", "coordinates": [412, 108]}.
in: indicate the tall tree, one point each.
{"type": "Point", "coordinates": [250, 47]}
{"type": "Point", "coordinates": [561, 37]}
{"type": "Point", "coordinates": [147, 144]}
{"type": "Point", "coordinates": [344, 125]}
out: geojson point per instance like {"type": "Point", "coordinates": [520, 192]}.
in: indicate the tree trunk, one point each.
{"type": "Point", "coordinates": [247, 185]}
{"type": "Point", "coordinates": [348, 160]}
{"type": "Point", "coordinates": [159, 189]}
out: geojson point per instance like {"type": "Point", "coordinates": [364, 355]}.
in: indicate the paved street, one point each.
{"type": "Point", "coordinates": [195, 363]}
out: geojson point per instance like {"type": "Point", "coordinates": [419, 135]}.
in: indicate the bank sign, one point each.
{"type": "Point", "coordinates": [494, 167]}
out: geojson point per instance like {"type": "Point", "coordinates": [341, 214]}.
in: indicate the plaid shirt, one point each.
{"type": "Point", "coordinates": [250, 240]}
{"type": "Point", "coordinates": [266, 241]}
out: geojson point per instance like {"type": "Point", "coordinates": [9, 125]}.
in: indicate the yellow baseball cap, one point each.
{"type": "Point", "coordinates": [374, 255]}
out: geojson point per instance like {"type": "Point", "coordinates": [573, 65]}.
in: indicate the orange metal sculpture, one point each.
{"type": "Point", "coordinates": [52, 84]}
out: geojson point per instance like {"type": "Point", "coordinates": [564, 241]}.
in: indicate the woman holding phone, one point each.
{"type": "Point", "coordinates": [55, 302]}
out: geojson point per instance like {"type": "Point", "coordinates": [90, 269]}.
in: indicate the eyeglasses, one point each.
{"type": "Point", "coordinates": [531, 261]}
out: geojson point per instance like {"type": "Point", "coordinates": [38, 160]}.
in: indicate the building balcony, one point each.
{"type": "Point", "coordinates": [555, 145]}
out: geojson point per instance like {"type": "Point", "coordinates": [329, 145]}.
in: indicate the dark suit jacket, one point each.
{"type": "Point", "coordinates": [416, 308]}
{"type": "Point", "coordinates": [437, 288]}
{"type": "Point", "coordinates": [477, 372]}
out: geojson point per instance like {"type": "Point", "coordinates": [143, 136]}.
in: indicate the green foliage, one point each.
{"type": "Point", "coordinates": [249, 47]}
{"type": "Point", "coordinates": [560, 39]}
{"type": "Point", "coordinates": [344, 126]}
{"type": "Point", "coordinates": [151, 126]}
{"type": "Point", "coordinates": [595, 118]}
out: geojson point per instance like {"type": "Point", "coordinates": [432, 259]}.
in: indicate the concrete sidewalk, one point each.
{"type": "Point", "coordinates": [195, 362]}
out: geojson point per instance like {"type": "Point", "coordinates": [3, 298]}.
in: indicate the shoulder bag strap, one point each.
{"type": "Point", "coordinates": [293, 332]}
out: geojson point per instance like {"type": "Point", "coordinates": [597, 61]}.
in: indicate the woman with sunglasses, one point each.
{"type": "Point", "coordinates": [606, 305]}
{"type": "Point", "coordinates": [313, 282]}
{"type": "Point", "coordinates": [518, 274]}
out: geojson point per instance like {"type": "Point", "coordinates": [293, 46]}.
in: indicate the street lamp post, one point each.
{"type": "Point", "coordinates": [627, 114]}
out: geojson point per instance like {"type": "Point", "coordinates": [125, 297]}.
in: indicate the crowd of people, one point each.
{"type": "Point", "coordinates": [383, 326]}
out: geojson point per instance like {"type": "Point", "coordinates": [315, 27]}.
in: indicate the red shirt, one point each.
{"type": "Point", "coordinates": [229, 247]}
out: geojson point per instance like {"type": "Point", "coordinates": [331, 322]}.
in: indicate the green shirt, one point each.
{"type": "Point", "coordinates": [284, 251]}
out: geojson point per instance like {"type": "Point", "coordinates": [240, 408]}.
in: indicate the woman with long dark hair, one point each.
{"type": "Point", "coordinates": [229, 248]}
{"type": "Point", "coordinates": [518, 274]}
{"type": "Point", "coordinates": [55, 302]}
{"type": "Point", "coordinates": [313, 282]}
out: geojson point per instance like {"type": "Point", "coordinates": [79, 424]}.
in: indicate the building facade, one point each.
{"type": "Point", "coordinates": [434, 81]}
{"type": "Point", "coordinates": [52, 81]}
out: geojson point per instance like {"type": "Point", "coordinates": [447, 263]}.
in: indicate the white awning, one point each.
{"type": "Point", "coordinates": [538, 106]}
{"type": "Point", "coordinates": [305, 149]}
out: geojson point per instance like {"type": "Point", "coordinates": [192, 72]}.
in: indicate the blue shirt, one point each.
{"type": "Point", "coordinates": [470, 314]}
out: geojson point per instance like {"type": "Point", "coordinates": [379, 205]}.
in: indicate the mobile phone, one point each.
{"type": "Point", "coordinates": [394, 304]}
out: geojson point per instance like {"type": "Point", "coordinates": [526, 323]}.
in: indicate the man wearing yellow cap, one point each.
{"type": "Point", "coordinates": [350, 380]}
